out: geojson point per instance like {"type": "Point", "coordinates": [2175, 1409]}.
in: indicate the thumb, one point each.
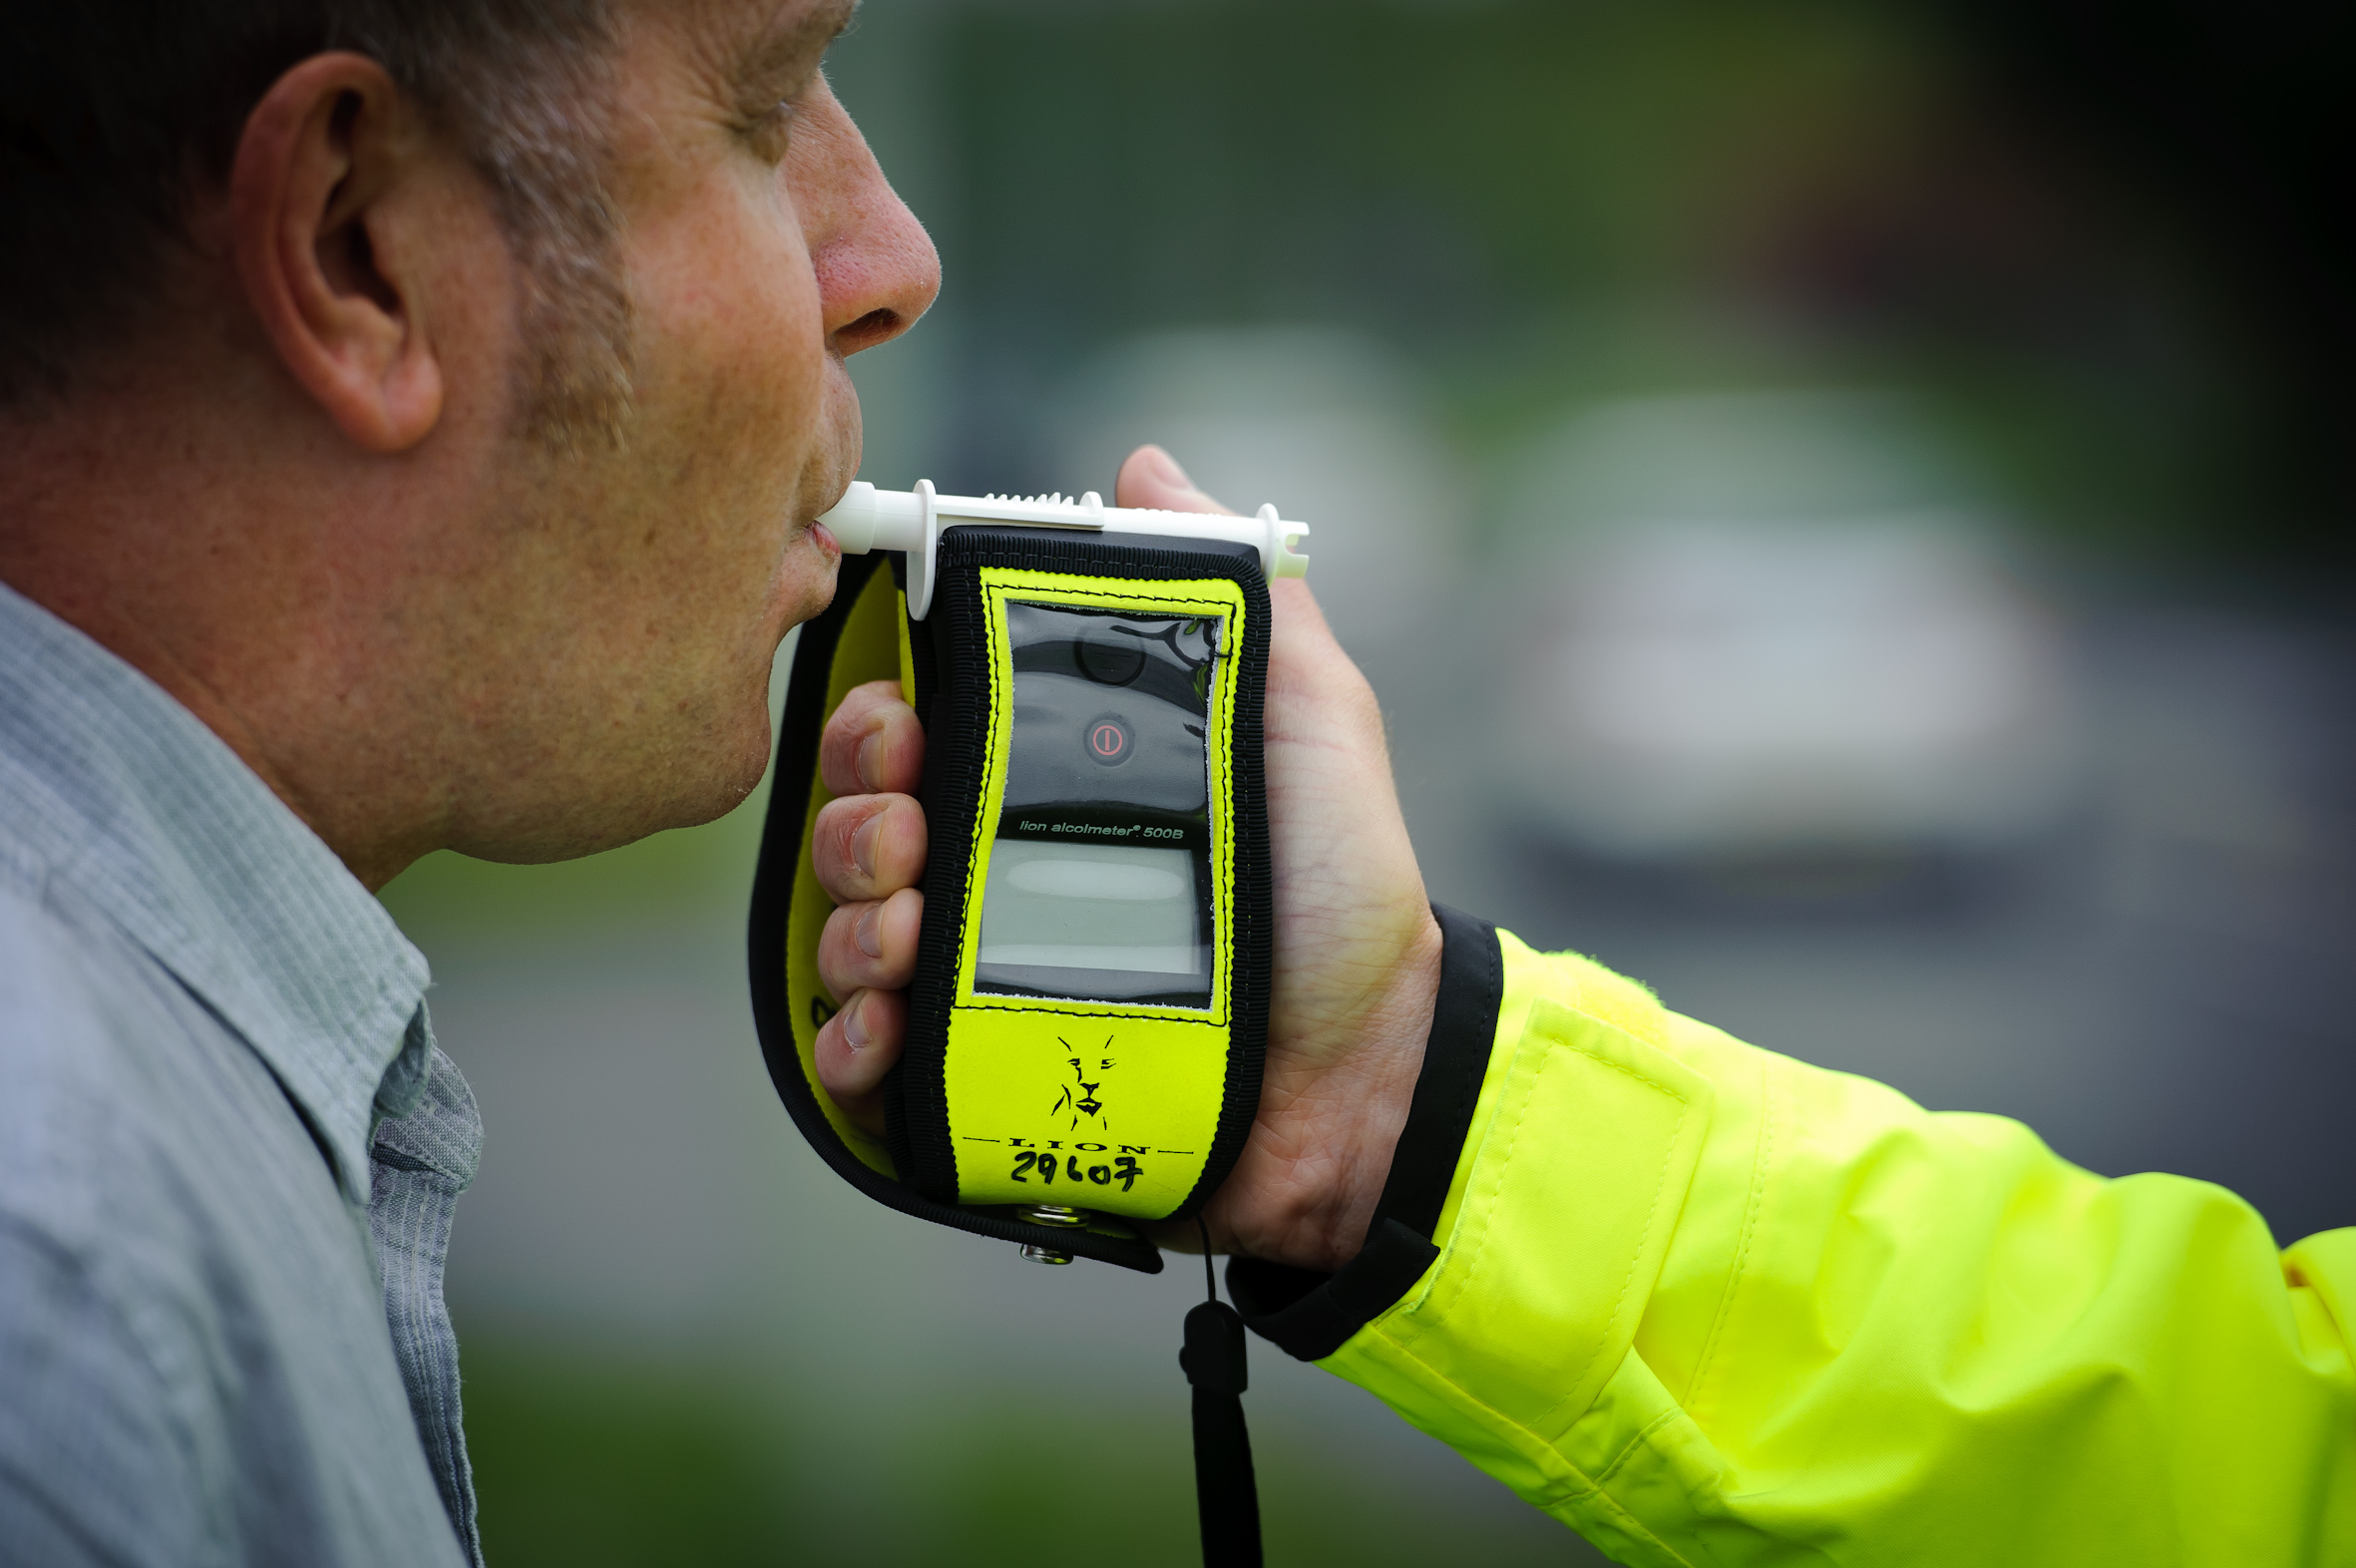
{"type": "Point", "coordinates": [1152, 478]}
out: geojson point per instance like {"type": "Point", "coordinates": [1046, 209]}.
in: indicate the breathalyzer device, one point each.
{"type": "Point", "coordinates": [1089, 1010]}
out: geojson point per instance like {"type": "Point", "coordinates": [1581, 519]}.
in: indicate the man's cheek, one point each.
{"type": "Point", "coordinates": [777, 386]}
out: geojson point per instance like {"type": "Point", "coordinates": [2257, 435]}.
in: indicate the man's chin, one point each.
{"type": "Point", "coordinates": [812, 592]}
{"type": "Point", "coordinates": [699, 783]}
{"type": "Point", "coordinates": [733, 776]}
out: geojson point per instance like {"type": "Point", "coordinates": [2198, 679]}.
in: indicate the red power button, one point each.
{"type": "Point", "coordinates": [1109, 741]}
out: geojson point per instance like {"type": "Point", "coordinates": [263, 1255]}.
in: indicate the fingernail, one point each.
{"type": "Point", "coordinates": [862, 844]}
{"type": "Point", "coordinates": [869, 933]}
{"type": "Point", "coordinates": [855, 1025]}
{"type": "Point", "coordinates": [1165, 467]}
{"type": "Point", "coordinates": [869, 759]}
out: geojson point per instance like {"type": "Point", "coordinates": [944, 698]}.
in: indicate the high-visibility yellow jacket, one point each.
{"type": "Point", "coordinates": [1709, 1305]}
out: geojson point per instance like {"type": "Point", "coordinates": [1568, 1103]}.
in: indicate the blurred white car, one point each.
{"type": "Point", "coordinates": [1770, 661]}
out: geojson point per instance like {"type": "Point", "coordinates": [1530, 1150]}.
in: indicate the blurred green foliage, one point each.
{"type": "Point", "coordinates": [1550, 203]}
{"type": "Point", "coordinates": [599, 1462]}
{"type": "Point", "coordinates": [588, 1460]}
{"type": "Point", "coordinates": [1433, 159]}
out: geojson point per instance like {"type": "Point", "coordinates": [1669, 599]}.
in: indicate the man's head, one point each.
{"type": "Point", "coordinates": [437, 397]}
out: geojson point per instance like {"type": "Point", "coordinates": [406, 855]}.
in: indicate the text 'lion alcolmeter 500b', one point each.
{"type": "Point", "coordinates": [1089, 1010]}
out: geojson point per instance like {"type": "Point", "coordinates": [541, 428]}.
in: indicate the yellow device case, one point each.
{"type": "Point", "coordinates": [1062, 1084]}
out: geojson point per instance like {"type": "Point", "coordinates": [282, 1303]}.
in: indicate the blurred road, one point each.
{"type": "Point", "coordinates": [2163, 984]}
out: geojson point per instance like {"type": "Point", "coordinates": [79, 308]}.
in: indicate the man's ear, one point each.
{"type": "Point", "coordinates": [317, 167]}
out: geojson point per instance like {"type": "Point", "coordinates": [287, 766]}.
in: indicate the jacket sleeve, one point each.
{"type": "Point", "coordinates": [1708, 1304]}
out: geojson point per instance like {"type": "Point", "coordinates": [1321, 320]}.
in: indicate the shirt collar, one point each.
{"type": "Point", "coordinates": [122, 799]}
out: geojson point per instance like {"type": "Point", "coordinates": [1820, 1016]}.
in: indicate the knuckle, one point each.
{"type": "Point", "coordinates": [834, 852]}
{"type": "Point", "coordinates": [838, 950]}
{"type": "Point", "coordinates": [853, 721]}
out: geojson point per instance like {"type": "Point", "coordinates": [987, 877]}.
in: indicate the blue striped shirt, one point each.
{"type": "Point", "coordinates": [228, 1156]}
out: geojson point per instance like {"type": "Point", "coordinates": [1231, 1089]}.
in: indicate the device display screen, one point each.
{"type": "Point", "coordinates": [1099, 882]}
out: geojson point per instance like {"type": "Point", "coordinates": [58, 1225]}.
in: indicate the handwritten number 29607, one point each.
{"type": "Point", "coordinates": [1041, 1164]}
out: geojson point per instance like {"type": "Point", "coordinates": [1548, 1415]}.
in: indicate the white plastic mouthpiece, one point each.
{"type": "Point", "coordinates": [912, 520]}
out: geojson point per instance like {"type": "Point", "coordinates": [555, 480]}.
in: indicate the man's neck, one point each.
{"type": "Point", "coordinates": [146, 527]}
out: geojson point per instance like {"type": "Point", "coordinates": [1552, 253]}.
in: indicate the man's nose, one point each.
{"type": "Point", "coordinates": [877, 269]}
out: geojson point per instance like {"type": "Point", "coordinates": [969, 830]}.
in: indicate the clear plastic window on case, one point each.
{"type": "Point", "coordinates": [1099, 884]}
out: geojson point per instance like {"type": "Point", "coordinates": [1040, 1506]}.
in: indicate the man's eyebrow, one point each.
{"type": "Point", "coordinates": [790, 48]}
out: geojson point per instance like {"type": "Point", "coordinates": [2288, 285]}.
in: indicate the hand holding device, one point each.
{"type": "Point", "coordinates": [1356, 950]}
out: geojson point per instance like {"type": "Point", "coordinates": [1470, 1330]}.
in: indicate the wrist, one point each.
{"type": "Point", "coordinates": [1306, 1190]}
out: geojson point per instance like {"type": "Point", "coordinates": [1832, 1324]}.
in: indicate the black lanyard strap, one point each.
{"type": "Point", "coordinates": [1226, 1494]}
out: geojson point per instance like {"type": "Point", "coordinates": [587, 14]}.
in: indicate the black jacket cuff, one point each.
{"type": "Point", "coordinates": [1311, 1314]}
